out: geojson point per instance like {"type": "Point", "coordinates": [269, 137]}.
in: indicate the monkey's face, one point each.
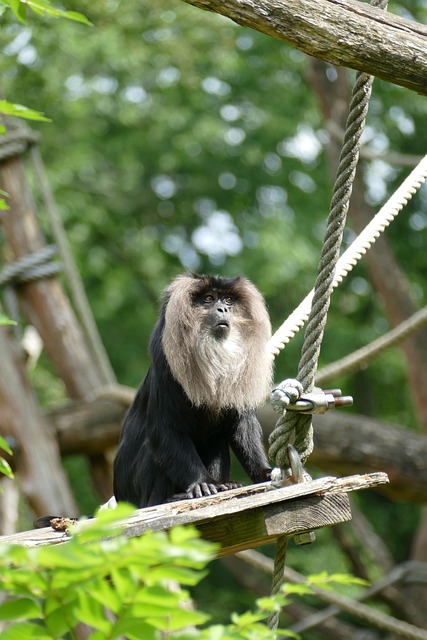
{"type": "Point", "coordinates": [216, 309]}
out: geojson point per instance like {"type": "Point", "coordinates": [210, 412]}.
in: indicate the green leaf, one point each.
{"type": "Point", "coordinates": [60, 617]}
{"type": "Point", "coordinates": [175, 619]}
{"type": "Point", "coordinates": [20, 111]}
{"type": "Point", "coordinates": [297, 589]}
{"type": "Point", "coordinates": [4, 320]}
{"type": "Point", "coordinates": [324, 579]}
{"type": "Point", "coordinates": [20, 609]}
{"type": "Point", "coordinates": [106, 594]}
{"type": "Point", "coordinates": [26, 631]}
{"type": "Point", "coordinates": [19, 9]}
{"type": "Point", "coordinates": [5, 468]}
{"type": "Point", "coordinates": [77, 17]}
{"type": "Point", "coordinates": [130, 625]}
{"type": "Point", "coordinates": [92, 613]}
{"type": "Point", "coordinates": [124, 584]}
{"type": "Point", "coordinates": [183, 575]}
{"type": "Point", "coordinates": [41, 7]}
{"type": "Point", "coordinates": [3, 443]}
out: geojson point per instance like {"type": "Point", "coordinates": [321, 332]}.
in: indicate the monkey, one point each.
{"type": "Point", "coordinates": [210, 369]}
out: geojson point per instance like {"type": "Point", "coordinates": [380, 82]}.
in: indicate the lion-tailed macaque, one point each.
{"type": "Point", "coordinates": [210, 370]}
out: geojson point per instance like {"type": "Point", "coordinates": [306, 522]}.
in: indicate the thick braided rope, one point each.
{"type": "Point", "coordinates": [293, 423]}
{"type": "Point", "coordinates": [287, 424]}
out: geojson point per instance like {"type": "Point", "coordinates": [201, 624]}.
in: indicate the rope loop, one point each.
{"type": "Point", "coordinates": [17, 138]}
{"type": "Point", "coordinates": [35, 266]}
{"type": "Point", "coordinates": [31, 267]}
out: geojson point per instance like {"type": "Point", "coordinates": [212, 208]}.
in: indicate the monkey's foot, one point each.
{"type": "Point", "coordinates": [201, 489]}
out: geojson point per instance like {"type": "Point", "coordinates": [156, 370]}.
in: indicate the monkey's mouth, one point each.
{"type": "Point", "coordinates": [221, 328]}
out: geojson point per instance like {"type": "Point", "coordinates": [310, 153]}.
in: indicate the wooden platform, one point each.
{"type": "Point", "coordinates": [242, 518]}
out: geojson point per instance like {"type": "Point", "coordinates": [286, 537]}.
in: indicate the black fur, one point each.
{"type": "Point", "coordinates": [170, 448]}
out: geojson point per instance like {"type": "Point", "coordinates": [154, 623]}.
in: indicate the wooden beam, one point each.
{"type": "Point", "coordinates": [343, 32]}
{"type": "Point", "coordinates": [242, 518]}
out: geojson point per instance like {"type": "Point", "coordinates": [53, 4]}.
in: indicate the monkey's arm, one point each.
{"type": "Point", "coordinates": [247, 444]}
{"type": "Point", "coordinates": [170, 419]}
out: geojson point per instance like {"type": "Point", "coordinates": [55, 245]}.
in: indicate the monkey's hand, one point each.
{"type": "Point", "coordinates": [200, 489]}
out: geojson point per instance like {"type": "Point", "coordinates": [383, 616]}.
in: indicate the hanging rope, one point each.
{"type": "Point", "coordinates": [307, 368]}
{"type": "Point", "coordinates": [293, 423]}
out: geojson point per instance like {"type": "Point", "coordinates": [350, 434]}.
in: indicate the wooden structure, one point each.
{"type": "Point", "coordinates": [346, 33]}
{"type": "Point", "coordinates": [242, 518]}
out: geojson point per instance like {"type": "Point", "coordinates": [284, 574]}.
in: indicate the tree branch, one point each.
{"type": "Point", "coordinates": [343, 32]}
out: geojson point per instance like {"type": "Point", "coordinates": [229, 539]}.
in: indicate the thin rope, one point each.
{"type": "Point", "coordinates": [361, 357]}
{"type": "Point", "coordinates": [278, 575]}
{"type": "Point", "coordinates": [36, 266]}
{"type": "Point", "coordinates": [353, 254]}
{"type": "Point", "coordinates": [31, 267]}
{"type": "Point", "coordinates": [16, 140]}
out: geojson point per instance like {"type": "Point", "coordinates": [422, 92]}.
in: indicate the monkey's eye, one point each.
{"type": "Point", "coordinates": [209, 298]}
{"type": "Point", "coordinates": [229, 300]}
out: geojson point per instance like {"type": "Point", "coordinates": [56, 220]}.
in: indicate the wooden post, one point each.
{"type": "Point", "coordinates": [44, 301]}
{"type": "Point", "coordinates": [47, 308]}
{"type": "Point", "coordinates": [38, 459]}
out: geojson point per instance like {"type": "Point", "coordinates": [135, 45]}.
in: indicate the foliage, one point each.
{"type": "Point", "coordinates": [41, 7]}
{"type": "Point", "coordinates": [121, 586]}
{"type": "Point", "coordinates": [53, 588]}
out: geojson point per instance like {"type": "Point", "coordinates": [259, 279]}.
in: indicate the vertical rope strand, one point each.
{"type": "Point", "coordinates": [279, 571]}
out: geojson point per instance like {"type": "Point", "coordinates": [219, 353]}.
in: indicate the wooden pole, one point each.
{"type": "Point", "coordinates": [346, 33]}
{"type": "Point", "coordinates": [47, 308]}
{"type": "Point", "coordinates": [37, 458]}
{"type": "Point", "coordinates": [44, 301]}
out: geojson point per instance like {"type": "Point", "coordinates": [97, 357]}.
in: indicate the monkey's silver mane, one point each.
{"type": "Point", "coordinates": [234, 372]}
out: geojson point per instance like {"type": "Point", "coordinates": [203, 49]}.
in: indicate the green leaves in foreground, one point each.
{"type": "Point", "coordinates": [55, 587]}
{"type": "Point", "coordinates": [20, 8]}
{"type": "Point", "coordinates": [20, 111]}
{"type": "Point", "coordinates": [122, 587]}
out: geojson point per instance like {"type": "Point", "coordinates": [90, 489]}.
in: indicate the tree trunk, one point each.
{"type": "Point", "coordinates": [37, 458]}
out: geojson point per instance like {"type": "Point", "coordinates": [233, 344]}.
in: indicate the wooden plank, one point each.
{"type": "Point", "coordinates": [263, 512]}
{"type": "Point", "coordinates": [250, 529]}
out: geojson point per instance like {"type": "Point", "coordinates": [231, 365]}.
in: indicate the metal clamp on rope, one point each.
{"type": "Point", "coordinates": [320, 401]}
